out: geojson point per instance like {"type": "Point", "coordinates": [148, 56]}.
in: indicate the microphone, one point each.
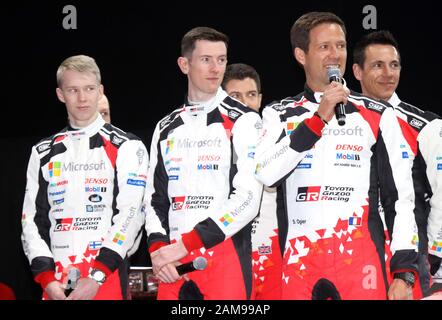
{"type": "Point", "coordinates": [199, 263]}
{"type": "Point", "coordinates": [334, 74]}
{"type": "Point", "coordinates": [73, 276]}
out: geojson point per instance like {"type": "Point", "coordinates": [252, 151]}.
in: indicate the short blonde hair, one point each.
{"type": "Point", "coordinates": [80, 63]}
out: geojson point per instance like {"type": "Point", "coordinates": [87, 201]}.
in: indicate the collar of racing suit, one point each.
{"type": "Point", "coordinates": [394, 100]}
{"type": "Point", "coordinates": [90, 130]}
{"type": "Point", "coordinates": [205, 106]}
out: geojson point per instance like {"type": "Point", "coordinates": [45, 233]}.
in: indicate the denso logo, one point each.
{"type": "Point", "coordinates": [349, 147]}
{"type": "Point", "coordinates": [308, 194]}
{"type": "Point", "coordinates": [209, 157]}
{"type": "Point", "coordinates": [96, 180]}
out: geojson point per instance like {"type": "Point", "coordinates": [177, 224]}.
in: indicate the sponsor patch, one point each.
{"type": "Point", "coordinates": [139, 183]}
{"type": "Point", "coordinates": [437, 246]}
{"type": "Point", "coordinates": [226, 220]}
{"type": "Point", "coordinates": [119, 239]}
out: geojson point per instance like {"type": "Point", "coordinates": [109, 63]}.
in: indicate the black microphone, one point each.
{"type": "Point", "coordinates": [334, 74]}
{"type": "Point", "coordinates": [73, 276]}
{"type": "Point", "coordinates": [199, 263]}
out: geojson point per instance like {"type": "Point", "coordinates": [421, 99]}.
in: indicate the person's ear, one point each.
{"type": "Point", "coordinates": [183, 63]}
{"type": "Point", "coordinates": [357, 71]}
{"type": "Point", "coordinates": [299, 55]}
{"type": "Point", "coordinates": [60, 95]}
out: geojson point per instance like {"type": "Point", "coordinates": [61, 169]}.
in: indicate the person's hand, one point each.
{"type": "Point", "coordinates": [86, 289]}
{"type": "Point", "coordinates": [168, 273]}
{"type": "Point", "coordinates": [400, 290]}
{"type": "Point", "coordinates": [167, 254]}
{"type": "Point", "coordinates": [55, 291]}
{"type": "Point", "coordinates": [333, 94]}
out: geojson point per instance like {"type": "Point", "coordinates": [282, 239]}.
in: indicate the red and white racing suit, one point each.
{"type": "Point", "coordinates": [201, 188]}
{"type": "Point", "coordinates": [328, 180]}
{"type": "Point", "coordinates": [82, 206]}
{"type": "Point", "coordinates": [423, 132]}
{"type": "Point", "coordinates": [266, 249]}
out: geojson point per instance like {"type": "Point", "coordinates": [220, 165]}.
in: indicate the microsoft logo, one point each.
{"type": "Point", "coordinates": [169, 145]}
{"type": "Point", "coordinates": [226, 220]}
{"type": "Point", "coordinates": [54, 169]}
{"type": "Point", "coordinates": [119, 239]}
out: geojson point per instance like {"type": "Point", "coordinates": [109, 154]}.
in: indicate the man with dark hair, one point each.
{"type": "Point", "coordinates": [328, 176]}
{"type": "Point", "coordinates": [242, 82]}
{"type": "Point", "coordinates": [202, 195]}
{"type": "Point", "coordinates": [377, 65]}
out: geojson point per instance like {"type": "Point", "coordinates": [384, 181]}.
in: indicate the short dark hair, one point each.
{"type": "Point", "coordinates": [200, 33]}
{"type": "Point", "coordinates": [377, 37]}
{"type": "Point", "coordinates": [240, 71]}
{"type": "Point", "coordinates": [300, 32]}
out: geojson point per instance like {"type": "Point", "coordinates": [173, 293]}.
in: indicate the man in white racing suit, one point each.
{"type": "Point", "coordinates": [82, 206]}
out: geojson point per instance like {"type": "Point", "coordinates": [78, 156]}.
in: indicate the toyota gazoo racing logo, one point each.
{"type": "Point", "coordinates": [63, 224]}
{"type": "Point", "coordinates": [178, 202]}
{"type": "Point", "coordinates": [191, 202]}
{"type": "Point", "coordinates": [306, 194]}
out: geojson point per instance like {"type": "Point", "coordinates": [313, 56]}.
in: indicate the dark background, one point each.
{"type": "Point", "coordinates": [136, 45]}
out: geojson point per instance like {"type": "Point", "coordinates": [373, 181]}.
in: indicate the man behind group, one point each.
{"type": "Point", "coordinates": [202, 195]}
{"type": "Point", "coordinates": [104, 108]}
{"type": "Point", "coordinates": [85, 184]}
{"type": "Point", "coordinates": [243, 83]}
{"type": "Point", "coordinates": [328, 176]}
{"type": "Point", "coordinates": [377, 65]}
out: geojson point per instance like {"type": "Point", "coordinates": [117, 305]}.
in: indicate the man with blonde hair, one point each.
{"type": "Point", "coordinates": [81, 211]}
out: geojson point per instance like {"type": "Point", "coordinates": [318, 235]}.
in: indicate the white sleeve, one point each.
{"type": "Point", "coordinates": [35, 220]}
{"type": "Point", "coordinates": [430, 145]}
{"type": "Point", "coordinates": [156, 199]}
{"type": "Point", "coordinates": [131, 167]}
{"type": "Point", "coordinates": [397, 189]}
{"type": "Point", "coordinates": [278, 154]}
